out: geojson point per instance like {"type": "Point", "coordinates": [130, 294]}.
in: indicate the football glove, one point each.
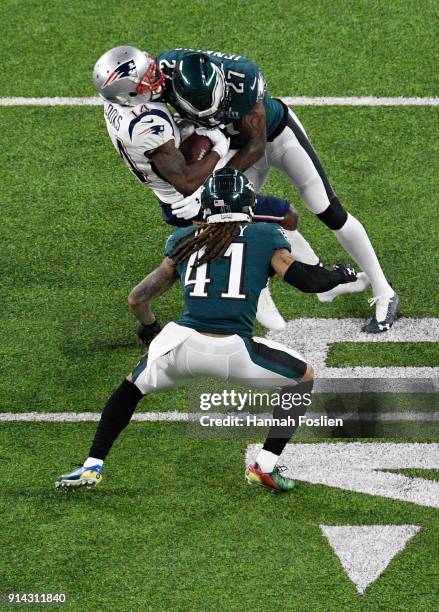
{"type": "Point", "coordinates": [220, 142]}
{"type": "Point", "coordinates": [147, 333]}
{"type": "Point", "coordinates": [346, 272]}
{"type": "Point", "coordinates": [188, 207]}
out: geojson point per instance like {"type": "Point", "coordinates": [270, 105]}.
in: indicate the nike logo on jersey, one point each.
{"type": "Point", "coordinates": [254, 83]}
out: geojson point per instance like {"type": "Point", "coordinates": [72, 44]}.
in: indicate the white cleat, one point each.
{"type": "Point", "coordinates": [361, 284]}
{"type": "Point", "coordinates": [268, 314]}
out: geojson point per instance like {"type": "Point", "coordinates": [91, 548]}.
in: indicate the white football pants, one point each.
{"type": "Point", "coordinates": [256, 361]}
{"type": "Point", "coordinates": [293, 155]}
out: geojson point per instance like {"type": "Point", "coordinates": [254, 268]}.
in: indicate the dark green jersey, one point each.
{"type": "Point", "coordinates": [246, 83]}
{"type": "Point", "coordinates": [222, 296]}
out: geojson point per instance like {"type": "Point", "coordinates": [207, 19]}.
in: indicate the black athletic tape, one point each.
{"type": "Point", "coordinates": [334, 216]}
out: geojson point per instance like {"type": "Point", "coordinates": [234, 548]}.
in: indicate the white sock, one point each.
{"type": "Point", "coordinates": [266, 460]}
{"type": "Point", "coordinates": [353, 237]}
{"type": "Point", "coordinates": [90, 461]}
{"type": "Point", "coordinates": [301, 249]}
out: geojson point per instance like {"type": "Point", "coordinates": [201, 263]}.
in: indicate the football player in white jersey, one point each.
{"type": "Point", "coordinates": [143, 130]}
{"type": "Point", "coordinates": [146, 136]}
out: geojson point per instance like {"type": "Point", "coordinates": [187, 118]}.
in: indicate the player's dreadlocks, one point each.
{"type": "Point", "coordinates": [227, 201]}
{"type": "Point", "coordinates": [215, 238]}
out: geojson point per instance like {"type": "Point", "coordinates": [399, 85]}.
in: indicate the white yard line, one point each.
{"type": "Point", "coordinates": [313, 338]}
{"type": "Point", "coordinates": [81, 417]}
{"type": "Point", "coordinates": [362, 101]}
{"type": "Point", "coordinates": [51, 101]}
{"type": "Point", "coordinates": [294, 101]}
{"type": "Point", "coordinates": [362, 467]}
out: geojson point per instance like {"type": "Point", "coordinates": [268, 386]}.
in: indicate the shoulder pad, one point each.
{"type": "Point", "coordinates": [154, 122]}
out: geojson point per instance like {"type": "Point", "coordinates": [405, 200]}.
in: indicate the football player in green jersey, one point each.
{"type": "Point", "coordinates": [213, 89]}
{"type": "Point", "coordinates": [222, 265]}
{"type": "Point", "coordinates": [148, 139]}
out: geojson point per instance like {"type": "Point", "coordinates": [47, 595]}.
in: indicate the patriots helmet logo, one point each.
{"type": "Point", "coordinates": [127, 69]}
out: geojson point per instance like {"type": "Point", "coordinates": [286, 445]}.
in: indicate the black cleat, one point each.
{"type": "Point", "coordinates": [378, 327]}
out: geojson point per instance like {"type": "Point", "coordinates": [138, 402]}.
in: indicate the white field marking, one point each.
{"type": "Point", "coordinates": [356, 467]}
{"type": "Point", "coordinates": [57, 101]}
{"type": "Point", "coordinates": [365, 551]}
{"type": "Point", "coordinates": [313, 337]}
{"type": "Point", "coordinates": [294, 101]}
{"type": "Point", "coordinates": [84, 417]}
{"type": "Point", "coordinates": [362, 101]}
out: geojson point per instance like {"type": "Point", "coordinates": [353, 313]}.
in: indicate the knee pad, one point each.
{"type": "Point", "coordinates": [335, 215]}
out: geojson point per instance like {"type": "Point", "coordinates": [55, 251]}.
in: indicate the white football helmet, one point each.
{"type": "Point", "coordinates": [128, 76]}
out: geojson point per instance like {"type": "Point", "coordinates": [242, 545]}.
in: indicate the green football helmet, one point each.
{"type": "Point", "coordinates": [226, 196]}
{"type": "Point", "coordinates": [200, 91]}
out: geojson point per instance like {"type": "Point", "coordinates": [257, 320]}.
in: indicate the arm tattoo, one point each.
{"type": "Point", "coordinates": [150, 288]}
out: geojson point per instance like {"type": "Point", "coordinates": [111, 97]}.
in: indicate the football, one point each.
{"type": "Point", "coordinates": [195, 148]}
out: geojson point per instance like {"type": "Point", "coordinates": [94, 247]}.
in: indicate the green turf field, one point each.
{"type": "Point", "coordinates": [173, 526]}
{"type": "Point", "coordinates": [159, 537]}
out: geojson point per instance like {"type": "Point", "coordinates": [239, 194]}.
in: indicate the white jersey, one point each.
{"type": "Point", "coordinates": [136, 131]}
